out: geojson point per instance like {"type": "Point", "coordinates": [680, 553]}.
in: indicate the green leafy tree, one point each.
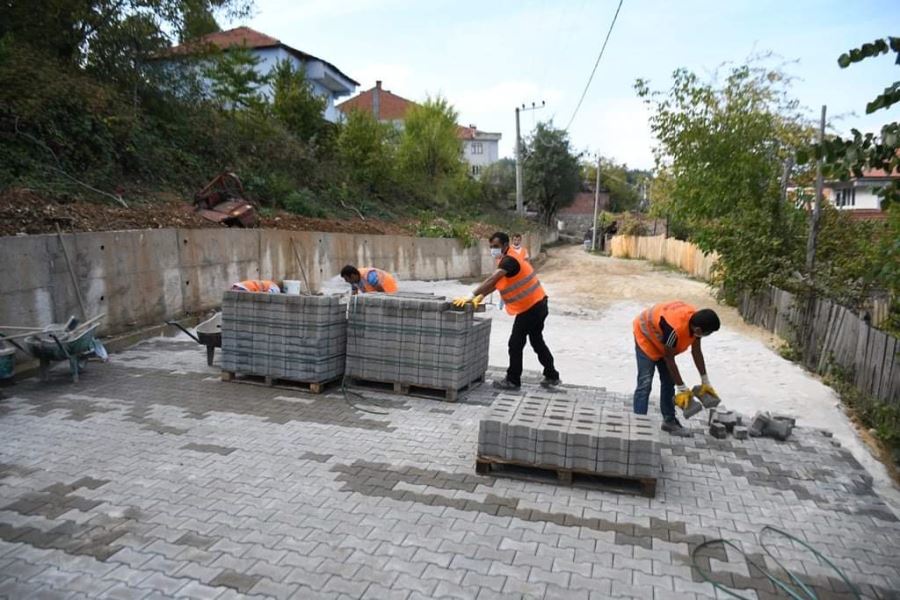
{"type": "Point", "coordinates": [430, 150]}
{"type": "Point", "coordinates": [235, 80]}
{"type": "Point", "coordinates": [367, 151]}
{"type": "Point", "coordinates": [498, 182]}
{"type": "Point", "coordinates": [197, 20]}
{"type": "Point", "coordinates": [552, 171]}
{"type": "Point", "coordinates": [723, 148]}
{"type": "Point", "coordinates": [295, 104]}
{"type": "Point", "coordinates": [621, 182]}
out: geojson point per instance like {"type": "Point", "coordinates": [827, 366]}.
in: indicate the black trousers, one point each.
{"type": "Point", "coordinates": [530, 325]}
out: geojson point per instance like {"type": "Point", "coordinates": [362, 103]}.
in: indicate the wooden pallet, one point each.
{"type": "Point", "coordinates": [645, 486]}
{"type": "Point", "coordinates": [411, 389]}
{"type": "Point", "coordinates": [313, 387]}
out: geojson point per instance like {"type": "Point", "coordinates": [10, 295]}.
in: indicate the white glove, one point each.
{"type": "Point", "coordinates": [681, 388]}
{"type": "Point", "coordinates": [704, 379]}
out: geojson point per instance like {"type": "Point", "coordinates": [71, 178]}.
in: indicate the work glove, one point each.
{"type": "Point", "coordinates": [706, 388]}
{"type": "Point", "coordinates": [683, 396]}
{"type": "Point", "coordinates": [461, 301]}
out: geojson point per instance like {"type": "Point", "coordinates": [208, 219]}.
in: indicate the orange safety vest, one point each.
{"type": "Point", "coordinates": [520, 253]}
{"type": "Point", "coordinates": [258, 285]}
{"type": "Point", "coordinates": [387, 281]}
{"type": "Point", "coordinates": [649, 335]}
{"type": "Point", "coordinates": [521, 291]}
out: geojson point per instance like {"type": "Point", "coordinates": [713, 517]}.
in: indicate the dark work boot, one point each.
{"type": "Point", "coordinates": [673, 427]}
{"type": "Point", "coordinates": [505, 384]}
{"type": "Point", "coordinates": [549, 382]}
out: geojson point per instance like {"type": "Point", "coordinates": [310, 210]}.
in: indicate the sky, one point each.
{"type": "Point", "coordinates": [489, 56]}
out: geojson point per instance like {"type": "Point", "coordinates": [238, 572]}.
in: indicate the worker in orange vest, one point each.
{"type": "Point", "coordinates": [257, 285]}
{"type": "Point", "coordinates": [517, 250]}
{"type": "Point", "coordinates": [660, 333]}
{"type": "Point", "coordinates": [525, 298]}
{"type": "Point", "coordinates": [369, 279]}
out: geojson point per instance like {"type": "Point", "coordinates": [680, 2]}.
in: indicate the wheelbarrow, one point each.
{"type": "Point", "coordinates": [208, 333]}
{"type": "Point", "coordinates": [56, 343]}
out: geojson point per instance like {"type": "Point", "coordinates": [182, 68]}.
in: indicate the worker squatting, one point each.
{"type": "Point", "coordinates": [661, 332]}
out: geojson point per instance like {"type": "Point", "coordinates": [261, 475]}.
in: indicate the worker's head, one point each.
{"type": "Point", "coordinates": [704, 322]}
{"type": "Point", "coordinates": [499, 242]}
{"type": "Point", "coordinates": [350, 274]}
{"type": "Point", "coordinates": [517, 239]}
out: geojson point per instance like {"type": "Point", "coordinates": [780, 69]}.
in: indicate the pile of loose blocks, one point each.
{"type": "Point", "coordinates": [410, 339]}
{"type": "Point", "coordinates": [561, 433]}
{"type": "Point", "coordinates": [281, 336]}
{"type": "Point", "coordinates": [416, 340]}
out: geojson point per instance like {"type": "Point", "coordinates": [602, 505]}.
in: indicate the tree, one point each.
{"type": "Point", "coordinates": [430, 150]}
{"type": "Point", "coordinates": [723, 148]}
{"type": "Point", "coordinates": [367, 149]}
{"type": "Point", "coordinates": [197, 20]}
{"type": "Point", "coordinates": [552, 172]}
{"type": "Point", "coordinates": [621, 182]}
{"type": "Point", "coordinates": [498, 182]}
{"type": "Point", "coordinates": [235, 80]}
{"type": "Point", "coordinates": [294, 102]}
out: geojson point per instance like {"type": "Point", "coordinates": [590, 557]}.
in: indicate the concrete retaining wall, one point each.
{"type": "Point", "coordinates": [144, 277]}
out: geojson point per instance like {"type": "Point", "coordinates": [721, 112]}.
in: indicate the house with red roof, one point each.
{"type": "Point", "coordinates": [327, 81]}
{"type": "Point", "coordinates": [479, 148]}
{"type": "Point", "coordinates": [858, 195]}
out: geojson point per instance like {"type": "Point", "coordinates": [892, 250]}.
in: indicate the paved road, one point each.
{"type": "Point", "coordinates": [153, 479]}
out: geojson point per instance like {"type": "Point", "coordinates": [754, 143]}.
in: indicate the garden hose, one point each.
{"type": "Point", "coordinates": [786, 587]}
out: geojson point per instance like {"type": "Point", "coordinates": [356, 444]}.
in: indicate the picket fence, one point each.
{"type": "Point", "coordinates": [828, 335]}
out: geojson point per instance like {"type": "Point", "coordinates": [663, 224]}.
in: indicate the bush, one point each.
{"type": "Point", "coordinates": [304, 202]}
{"type": "Point", "coordinates": [441, 228]}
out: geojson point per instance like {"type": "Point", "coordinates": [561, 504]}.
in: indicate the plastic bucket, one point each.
{"type": "Point", "coordinates": [292, 287]}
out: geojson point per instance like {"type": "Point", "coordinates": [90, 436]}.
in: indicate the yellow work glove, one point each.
{"type": "Point", "coordinates": [705, 387]}
{"type": "Point", "coordinates": [683, 397]}
{"type": "Point", "coordinates": [461, 301]}
{"type": "Point", "coordinates": [477, 300]}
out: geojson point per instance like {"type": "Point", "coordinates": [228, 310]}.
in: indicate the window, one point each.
{"type": "Point", "coordinates": [477, 148]}
{"type": "Point", "coordinates": [845, 197]}
{"type": "Point", "coordinates": [476, 170]}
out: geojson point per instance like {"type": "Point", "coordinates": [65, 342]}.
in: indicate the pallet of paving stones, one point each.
{"type": "Point", "coordinates": [493, 465]}
{"type": "Point", "coordinates": [569, 435]}
{"type": "Point", "coordinates": [313, 387]}
{"type": "Point", "coordinates": [410, 389]}
{"type": "Point", "coordinates": [416, 341]}
{"type": "Point", "coordinates": [298, 339]}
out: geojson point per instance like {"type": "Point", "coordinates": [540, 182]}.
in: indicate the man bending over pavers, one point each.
{"type": "Point", "coordinates": [366, 280]}
{"type": "Point", "coordinates": [660, 333]}
{"type": "Point", "coordinates": [263, 286]}
{"type": "Point", "coordinates": [525, 298]}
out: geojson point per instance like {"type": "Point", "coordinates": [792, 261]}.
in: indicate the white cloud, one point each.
{"type": "Point", "coordinates": [618, 128]}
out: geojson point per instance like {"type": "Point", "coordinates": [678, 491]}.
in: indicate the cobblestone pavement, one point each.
{"type": "Point", "coordinates": [152, 478]}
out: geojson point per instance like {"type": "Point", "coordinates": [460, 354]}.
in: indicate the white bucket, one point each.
{"type": "Point", "coordinates": [292, 287]}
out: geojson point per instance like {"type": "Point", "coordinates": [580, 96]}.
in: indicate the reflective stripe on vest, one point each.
{"type": "Point", "coordinates": [649, 335]}
{"type": "Point", "coordinates": [521, 291]}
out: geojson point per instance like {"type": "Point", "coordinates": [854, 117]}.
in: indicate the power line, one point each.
{"type": "Point", "coordinates": [594, 70]}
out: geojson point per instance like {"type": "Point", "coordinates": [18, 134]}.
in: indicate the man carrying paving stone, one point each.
{"type": "Point", "coordinates": [524, 298]}
{"type": "Point", "coordinates": [660, 333]}
{"type": "Point", "coordinates": [366, 280]}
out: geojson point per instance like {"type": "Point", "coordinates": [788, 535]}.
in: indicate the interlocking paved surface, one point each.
{"type": "Point", "coordinates": [152, 478]}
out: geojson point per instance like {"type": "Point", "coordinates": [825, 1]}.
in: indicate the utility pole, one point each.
{"type": "Point", "coordinates": [520, 183]}
{"type": "Point", "coordinates": [817, 208]}
{"type": "Point", "coordinates": [596, 207]}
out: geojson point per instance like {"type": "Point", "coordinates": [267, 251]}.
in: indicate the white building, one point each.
{"type": "Point", "coordinates": [480, 148]}
{"type": "Point", "coordinates": [327, 80]}
{"type": "Point", "coordinates": [859, 195]}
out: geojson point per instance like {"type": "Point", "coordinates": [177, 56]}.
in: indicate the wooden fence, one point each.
{"type": "Point", "coordinates": [659, 249]}
{"type": "Point", "coordinates": [829, 336]}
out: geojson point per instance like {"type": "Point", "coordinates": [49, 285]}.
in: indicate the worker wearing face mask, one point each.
{"type": "Point", "coordinates": [525, 298]}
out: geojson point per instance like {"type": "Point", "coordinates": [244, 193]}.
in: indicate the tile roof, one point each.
{"type": "Point", "coordinates": [392, 106]}
{"type": "Point", "coordinates": [250, 38]}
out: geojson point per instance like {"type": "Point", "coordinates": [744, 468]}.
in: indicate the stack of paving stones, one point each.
{"type": "Point", "coordinates": [571, 433]}
{"type": "Point", "coordinates": [416, 340]}
{"type": "Point", "coordinates": [297, 338]}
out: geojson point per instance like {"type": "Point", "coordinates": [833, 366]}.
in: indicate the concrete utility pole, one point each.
{"type": "Point", "coordinates": [520, 183]}
{"type": "Point", "coordinates": [817, 207]}
{"type": "Point", "coordinates": [520, 194]}
{"type": "Point", "coordinates": [596, 207]}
